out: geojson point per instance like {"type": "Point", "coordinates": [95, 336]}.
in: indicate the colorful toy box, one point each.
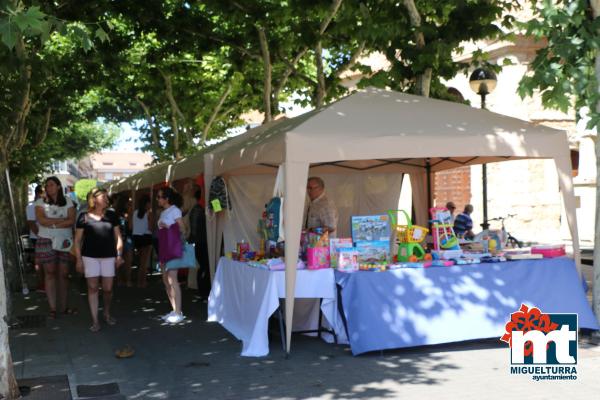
{"type": "Point", "coordinates": [347, 259]}
{"type": "Point", "coordinates": [317, 257]}
{"type": "Point", "coordinates": [370, 228]}
{"type": "Point", "coordinates": [335, 245]}
{"type": "Point", "coordinates": [373, 252]}
{"type": "Point", "coordinates": [549, 251]}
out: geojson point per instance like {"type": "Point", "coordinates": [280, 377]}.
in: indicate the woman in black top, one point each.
{"type": "Point", "coordinates": [98, 248]}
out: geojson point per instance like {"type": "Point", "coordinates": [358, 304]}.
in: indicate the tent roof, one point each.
{"type": "Point", "coordinates": [383, 130]}
{"type": "Point", "coordinates": [375, 130]}
{"type": "Point", "coordinates": [155, 174]}
{"type": "Point", "coordinates": [187, 167]}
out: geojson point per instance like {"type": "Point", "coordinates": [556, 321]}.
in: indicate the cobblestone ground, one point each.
{"type": "Point", "coordinates": [202, 360]}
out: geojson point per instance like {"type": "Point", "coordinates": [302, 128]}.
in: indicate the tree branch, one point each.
{"type": "Point", "coordinates": [286, 74]}
{"type": "Point", "coordinates": [352, 61]}
{"type": "Point", "coordinates": [232, 45]}
{"type": "Point", "coordinates": [44, 131]}
{"type": "Point", "coordinates": [335, 6]}
{"type": "Point", "coordinates": [151, 126]}
{"type": "Point", "coordinates": [215, 112]}
{"type": "Point", "coordinates": [18, 131]}
{"type": "Point", "coordinates": [305, 77]}
{"type": "Point", "coordinates": [175, 112]}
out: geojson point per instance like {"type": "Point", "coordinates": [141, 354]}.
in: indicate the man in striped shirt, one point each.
{"type": "Point", "coordinates": [463, 224]}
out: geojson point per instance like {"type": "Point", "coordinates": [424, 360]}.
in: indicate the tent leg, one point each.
{"type": "Point", "coordinates": [429, 189]}
{"type": "Point", "coordinates": [282, 328]}
{"type": "Point", "coordinates": [484, 193]}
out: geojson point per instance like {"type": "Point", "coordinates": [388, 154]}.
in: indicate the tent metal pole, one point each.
{"type": "Point", "coordinates": [428, 171]}
{"type": "Point", "coordinates": [485, 225]}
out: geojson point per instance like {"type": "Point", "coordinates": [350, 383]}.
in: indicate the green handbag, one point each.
{"type": "Point", "coordinates": [187, 260]}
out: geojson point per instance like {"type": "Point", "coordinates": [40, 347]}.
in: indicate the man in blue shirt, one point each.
{"type": "Point", "coordinates": [463, 224]}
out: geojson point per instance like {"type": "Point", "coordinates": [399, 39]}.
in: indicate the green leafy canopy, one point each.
{"type": "Point", "coordinates": [564, 71]}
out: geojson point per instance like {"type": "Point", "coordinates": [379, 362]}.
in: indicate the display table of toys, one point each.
{"type": "Point", "coordinates": [397, 294]}
{"type": "Point", "coordinates": [396, 291]}
{"type": "Point", "coordinates": [420, 306]}
{"type": "Point", "coordinates": [245, 294]}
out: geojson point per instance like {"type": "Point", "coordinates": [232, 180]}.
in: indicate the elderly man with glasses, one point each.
{"type": "Point", "coordinates": [322, 213]}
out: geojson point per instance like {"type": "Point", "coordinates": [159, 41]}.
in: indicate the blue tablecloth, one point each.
{"type": "Point", "coordinates": [413, 307]}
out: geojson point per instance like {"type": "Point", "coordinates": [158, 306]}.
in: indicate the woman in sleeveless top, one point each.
{"type": "Point", "coordinates": [142, 237]}
{"type": "Point", "coordinates": [99, 250]}
{"type": "Point", "coordinates": [56, 215]}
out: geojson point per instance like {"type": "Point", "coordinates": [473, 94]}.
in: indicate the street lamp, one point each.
{"type": "Point", "coordinates": [483, 82]}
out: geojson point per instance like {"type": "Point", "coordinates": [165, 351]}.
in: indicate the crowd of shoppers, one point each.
{"type": "Point", "coordinates": [102, 240]}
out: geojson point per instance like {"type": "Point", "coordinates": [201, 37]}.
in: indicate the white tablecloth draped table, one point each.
{"type": "Point", "coordinates": [243, 298]}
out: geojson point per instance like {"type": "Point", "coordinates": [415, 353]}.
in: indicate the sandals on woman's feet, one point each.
{"type": "Point", "coordinates": [94, 328]}
{"type": "Point", "coordinates": [125, 352]}
{"type": "Point", "coordinates": [110, 320]}
{"type": "Point", "coordinates": [70, 311]}
{"type": "Point", "coordinates": [52, 314]}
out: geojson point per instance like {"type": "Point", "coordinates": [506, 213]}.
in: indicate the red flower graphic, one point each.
{"type": "Point", "coordinates": [525, 320]}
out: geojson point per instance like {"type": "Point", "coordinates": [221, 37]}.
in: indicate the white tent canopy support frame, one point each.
{"type": "Point", "coordinates": [367, 127]}
{"type": "Point", "coordinates": [382, 131]}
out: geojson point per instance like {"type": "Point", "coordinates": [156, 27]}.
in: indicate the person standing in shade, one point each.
{"type": "Point", "coordinates": [142, 237]}
{"type": "Point", "coordinates": [55, 215]}
{"type": "Point", "coordinates": [99, 250]}
{"type": "Point", "coordinates": [463, 224]}
{"type": "Point", "coordinates": [170, 201]}
{"type": "Point", "coordinates": [199, 238]}
{"type": "Point", "coordinates": [122, 207]}
{"type": "Point", "coordinates": [322, 213]}
{"type": "Point", "coordinates": [451, 207]}
{"type": "Point", "coordinates": [34, 228]}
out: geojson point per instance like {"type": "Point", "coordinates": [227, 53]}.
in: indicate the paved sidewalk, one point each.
{"type": "Point", "coordinates": [200, 360]}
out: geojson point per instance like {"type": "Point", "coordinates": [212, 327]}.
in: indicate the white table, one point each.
{"type": "Point", "coordinates": [243, 298]}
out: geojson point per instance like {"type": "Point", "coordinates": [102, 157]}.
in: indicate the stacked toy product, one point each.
{"type": "Point", "coordinates": [317, 252]}
{"type": "Point", "coordinates": [371, 236]}
{"type": "Point", "coordinates": [408, 237]}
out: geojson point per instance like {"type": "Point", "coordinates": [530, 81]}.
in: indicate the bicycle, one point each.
{"type": "Point", "coordinates": [508, 239]}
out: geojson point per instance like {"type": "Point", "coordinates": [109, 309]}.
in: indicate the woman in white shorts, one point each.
{"type": "Point", "coordinates": [99, 249]}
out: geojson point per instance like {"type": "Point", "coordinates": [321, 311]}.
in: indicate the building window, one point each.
{"type": "Point", "coordinates": [133, 164]}
{"type": "Point", "coordinates": [107, 163]}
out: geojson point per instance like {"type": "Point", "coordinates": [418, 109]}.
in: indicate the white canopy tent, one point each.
{"type": "Point", "coordinates": [381, 132]}
{"type": "Point", "coordinates": [142, 180]}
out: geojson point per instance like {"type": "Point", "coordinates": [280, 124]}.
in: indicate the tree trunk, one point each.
{"type": "Point", "coordinates": [267, 74]}
{"type": "Point", "coordinates": [596, 282]}
{"type": "Point", "coordinates": [8, 262]}
{"type": "Point", "coordinates": [8, 239]}
{"type": "Point", "coordinates": [8, 383]}
{"type": "Point", "coordinates": [423, 82]}
{"type": "Point", "coordinates": [20, 193]}
{"type": "Point", "coordinates": [321, 90]}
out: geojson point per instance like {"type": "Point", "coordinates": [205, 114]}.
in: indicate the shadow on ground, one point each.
{"type": "Point", "coordinates": [196, 359]}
